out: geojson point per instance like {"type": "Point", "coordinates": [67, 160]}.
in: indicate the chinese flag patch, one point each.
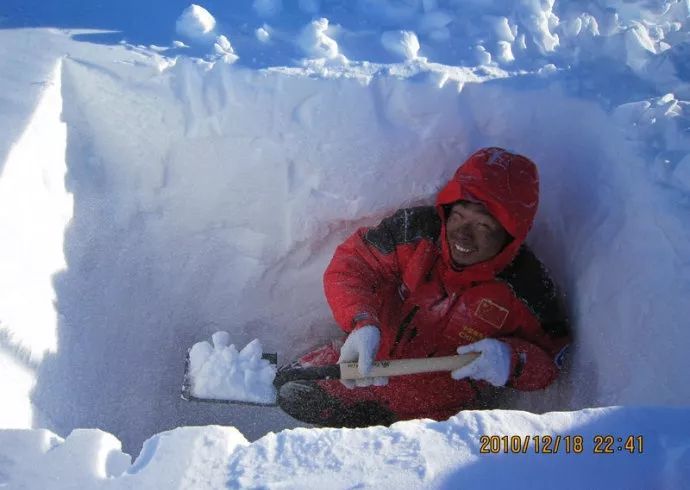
{"type": "Point", "coordinates": [493, 314]}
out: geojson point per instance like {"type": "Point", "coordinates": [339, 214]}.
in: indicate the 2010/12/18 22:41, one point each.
{"type": "Point", "coordinates": [548, 444]}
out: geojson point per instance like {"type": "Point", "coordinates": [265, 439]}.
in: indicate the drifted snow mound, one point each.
{"type": "Point", "coordinates": [610, 448]}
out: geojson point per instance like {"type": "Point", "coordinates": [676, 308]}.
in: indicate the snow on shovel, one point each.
{"type": "Point", "coordinates": [220, 373]}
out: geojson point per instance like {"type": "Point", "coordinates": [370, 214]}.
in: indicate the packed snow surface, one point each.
{"type": "Point", "coordinates": [170, 170]}
{"type": "Point", "coordinates": [219, 371]}
{"type": "Point", "coordinates": [615, 447]}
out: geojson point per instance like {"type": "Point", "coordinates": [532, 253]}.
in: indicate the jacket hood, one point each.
{"type": "Point", "coordinates": [508, 185]}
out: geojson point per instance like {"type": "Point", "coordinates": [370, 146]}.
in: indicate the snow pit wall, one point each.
{"type": "Point", "coordinates": [35, 208]}
{"type": "Point", "coordinates": [209, 199]}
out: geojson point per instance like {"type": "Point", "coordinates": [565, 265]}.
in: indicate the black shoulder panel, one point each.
{"type": "Point", "coordinates": [531, 283]}
{"type": "Point", "coordinates": [405, 226]}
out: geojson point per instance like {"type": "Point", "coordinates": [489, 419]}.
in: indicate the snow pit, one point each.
{"type": "Point", "coordinates": [208, 195]}
{"type": "Point", "coordinates": [220, 372]}
{"type": "Point", "coordinates": [201, 196]}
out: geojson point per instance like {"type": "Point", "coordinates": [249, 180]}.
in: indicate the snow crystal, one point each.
{"type": "Point", "coordinates": [220, 372]}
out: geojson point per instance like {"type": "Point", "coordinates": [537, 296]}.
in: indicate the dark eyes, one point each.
{"type": "Point", "coordinates": [481, 224]}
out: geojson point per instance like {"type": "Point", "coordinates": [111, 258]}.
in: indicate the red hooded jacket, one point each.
{"type": "Point", "coordinates": [399, 277]}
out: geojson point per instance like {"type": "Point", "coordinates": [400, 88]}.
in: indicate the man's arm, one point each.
{"type": "Point", "coordinates": [538, 347]}
{"type": "Point", "coordinates": [355, 279]}
{"type": "Point", "coordinates": [366, 269]}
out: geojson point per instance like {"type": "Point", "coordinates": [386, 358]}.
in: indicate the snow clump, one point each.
{"type": "Point", "coordinates": [224, 49]}
{"type": "Point", "coordinates": [221, 372]}
{"type": "Point", "coordinates": [402, 43]}
{"type": "Point", "coordinates": [263, 34]}
{"type": "Point", "coordinates": [195, 23]}
{"type": "Point", "coordinates": [315, 42]}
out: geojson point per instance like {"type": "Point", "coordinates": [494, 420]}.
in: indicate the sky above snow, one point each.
{"type": "Point", "coordinates": [168, 171]}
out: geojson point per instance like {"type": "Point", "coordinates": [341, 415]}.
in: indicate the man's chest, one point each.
{"type": "Point", "coordinates": [436, 321]}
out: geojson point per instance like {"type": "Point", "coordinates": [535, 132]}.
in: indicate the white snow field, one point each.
{"type": "Point", "coordinates": [168, 171]}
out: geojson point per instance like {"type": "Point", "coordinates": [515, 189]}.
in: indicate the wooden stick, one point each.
{"type": "Point", "coordinates": [399, 367]}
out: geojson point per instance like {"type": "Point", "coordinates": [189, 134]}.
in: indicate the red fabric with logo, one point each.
{"type": "Point", "coordinates": [445, 307]}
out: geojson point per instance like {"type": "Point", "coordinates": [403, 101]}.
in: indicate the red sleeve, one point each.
{"type": "Point", "coordinates": [538, 350]}
{"type": "Point", "coordinates": [531, 367]}
{"type": "Point", "coordinates": [355, 280]}
{"type": "Point", "coordinates": [541, 339]}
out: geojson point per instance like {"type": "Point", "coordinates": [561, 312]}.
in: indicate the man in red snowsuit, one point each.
{"type": "Point", "coordinates": [433, 281]}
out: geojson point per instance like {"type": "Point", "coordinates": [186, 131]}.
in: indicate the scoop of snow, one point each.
{"type": "Point", "coordinates": [195, 22]}
{"type": "Point", "coordinates": [221, 372]}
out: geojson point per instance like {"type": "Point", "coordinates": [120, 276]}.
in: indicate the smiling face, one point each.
{"type": "Point", "coordinates": [473, 234]}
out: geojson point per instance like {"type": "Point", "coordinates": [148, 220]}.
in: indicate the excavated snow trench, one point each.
{"type": "Point", "coordinates": [212, 200]}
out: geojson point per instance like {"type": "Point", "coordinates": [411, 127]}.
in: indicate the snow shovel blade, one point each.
{"type": "Point", "coordinates": [186, 395]}
{"type": "Point", "coordinates": [346, 370]}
